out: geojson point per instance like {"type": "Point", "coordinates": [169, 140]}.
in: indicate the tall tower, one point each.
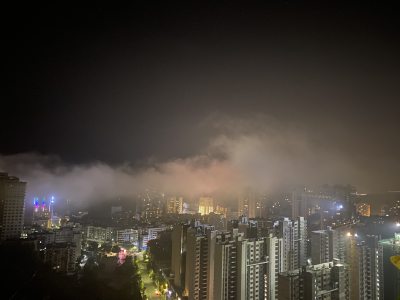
{"type": "Point", "coordinates": [178, 259]}
{"type": "Point", "coordinates": [248, 204]}
{"type": "Point", "coordinates": [175, 205]}
{"type": "Point", "coordinates": [152, 205]}
{"type": "Point", "coordinates": [305, 202]}
{"type": "Point", "coordinates": [41, 213]}
{"type": "Point", "coordinates": [365, 260]}
{"type": "Point", "coordinates": [199, 276]}
{"type": "Point", "coordinates": [274, 257]}
{"type": "Point", "coordinates": [391, 274]}
{"type": "Point", "coordinates": [226, 264]}
{"type": "Point", "coordinates": [352, 259]}
{"type": "Point", "coordinates": [206, 205]}
{"type": "Point", "coordinates": [12, 206]}
{"type": "Point", "coordinates": [370, 255]}
{"type": "Point", "coordinates": [252, 269]}
{"type": "Point", "coordinates": [324, 246]}
{"type": "Point", "coordinates": [293, 247]}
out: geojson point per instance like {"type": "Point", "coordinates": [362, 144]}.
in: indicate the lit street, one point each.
{"type": "Point", "coordinates": [151, 288]}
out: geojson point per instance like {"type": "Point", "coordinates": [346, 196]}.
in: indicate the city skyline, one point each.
{"type": "Point", "coordinates": [211, 150]}
{"type": "Point", "coordinates": [332, 245]}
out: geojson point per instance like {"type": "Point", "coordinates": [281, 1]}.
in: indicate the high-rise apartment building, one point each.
{"type": "Point", "coordinates": [305, 202]}
{"type": "Point", "coordinates": [224, 265]}
{"type": "Point", "coordinates": [370, 257]}
{"type": "Point", "coordinates": [227, 265]}
{"type": "Point", "coordinates": [62, 257]}
{"type": "Point", "coordinates": [252, 269]}
{"type": "Point", "coordinates": [391, 275]}
{"type": "Point", "coordinates": [216, 220]}
{"type": "Point", "coordinates": [12, 205]}
{"type": "Point", "coordinates": [352, 259]}
{"type": "Point", "coordinates": [343, 195]}
{"type": "Point", "coordinates": [327, 245]}
{"type": "Point", "coordinates": [199, 275]}
{"type": "Point", "coordinates": [322, 281]}
{"type": "Point", "coordinates": [175, 205]}
{"type": "Point", "coordinates": [274, 255]}
{"type": "Point", "coordinates": [206, 205]}
{"type": "Point", "coordinates": [178, 259]}
{"type": "Point", "coordinates": [148, 234]}
{"type": "Point", "coordinates": [363, 209]}
{"type": "Point", "coordinates": [294, 243]}
{"type": "Point", "coordinates": [152, 204]}
{"type": "Point", "coordinates": [127, 237]}
{"type": "Point", "coordinates": [96, 234]}
{"type": "Point", "coordinates": [249, 204]}
{"type": "Point", "coordinates": [364, 256]}
{"type": "Point", "coordinates": [322, 246]}
{"type": "Point", "coordinates": [61, 247]}
{"type": "Point", "coordinates": [221, 210]}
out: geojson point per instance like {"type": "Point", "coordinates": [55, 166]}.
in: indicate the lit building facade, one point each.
{"type": "Point", "coordinates": [62, 257]}
{"type": "Point", "coordinates": [370, 258]}
{"type": "Point", "coordinates": [294, 243]}
{"type": "Point", "coordinates": [226, 266]}
{"type": "Point", "coordinates": [12, 206]}
{"type": "Point", "coordinates": [199, 275]}
{"type": "Point", "coordinates": [149, 234]}
{"type": "Point", "coordinates": [41, 213]}
{"type": "Point", "coordinates": [128, 237]}
{"type": "Point", "coordinates": [252, 268]}
{"type": "Point", "coordinates": [248, 204]}
{"type": "Point", "coordinates": [363, 209]}
{"type": "Point", "coordinates": [61, 247]}
{"type": "Point", "coordinates": [221, 210]}
{"type": "Point", "coordinates": [274, 255]}
{"type": "Point", "coordinates": [175, 205]}
{"type": "Point", "coordinates": [97, 234]}
{"type": "Point", "coordinates": [206, 205]}
{"type": "Point", "coordinates": [152, 204]}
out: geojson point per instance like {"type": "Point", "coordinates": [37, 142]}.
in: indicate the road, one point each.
{"type": "Point", "coordinates": [150, 286]}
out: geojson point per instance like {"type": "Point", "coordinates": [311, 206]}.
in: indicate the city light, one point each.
{"type": "Point", "coordinates": [218, 151]}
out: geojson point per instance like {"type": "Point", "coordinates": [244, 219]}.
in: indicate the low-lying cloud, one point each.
{"type": "Point", "coordinates": [254, 152]}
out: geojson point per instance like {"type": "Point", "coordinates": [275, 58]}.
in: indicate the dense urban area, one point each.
{"type": "Point", "coordinates": [330, 242]}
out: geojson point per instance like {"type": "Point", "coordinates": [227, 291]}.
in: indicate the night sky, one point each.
{"type": "Point", "coordinates": [150, 80]}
